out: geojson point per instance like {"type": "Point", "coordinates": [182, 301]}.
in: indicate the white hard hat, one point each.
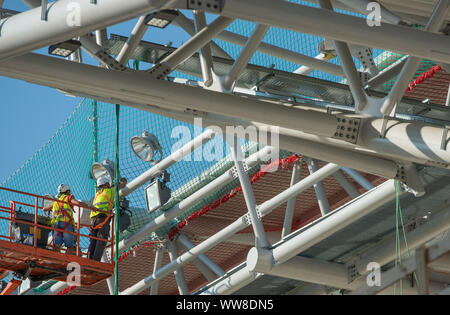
{"type": "Point", "coordinates": [63, 188]}
{"type": "Point", "coordinates": [102, 181]}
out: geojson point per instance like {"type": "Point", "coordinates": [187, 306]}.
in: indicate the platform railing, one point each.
{"type": "Point", "coordinates": [12, 210]}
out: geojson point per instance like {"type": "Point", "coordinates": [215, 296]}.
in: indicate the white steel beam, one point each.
{"type": "Point", "coordinates": [358, 178]}
{"type": "Point", "coordinates": [345, 56]}
{"type": "Point", "coordinates": [348, 187]}
{"type": "Point", "coordinates": [271, 50]}
{"type": "Point", "coordinates": [290, 206]}
{"type": "Point", "coordinates": [158, 262]}
{"type": "Point", "coordinates": [189, 27]}
{"type": "Point", "coordinates": [247, 190]}
{"type": "Point", "coordinates": [341, 27]}
{"type": "Point", "coordinates": [245, 56]}
{"type": "Point", "coordinates": [321, 195]}
{"type": "Point", "coordinates": [384, 254]}
{"type": "Point", "coordinates": [179, 274]}
{"type": "Point", "coordinates": [206, 61]}
{"type": "Point", "coordinates": [66, 19]}
{"type": "Point", "coordinates": [133, 41]}
{"type": "Point", "coordinates": [416, 262]}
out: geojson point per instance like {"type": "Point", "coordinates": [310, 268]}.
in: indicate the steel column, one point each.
{"type": "Point", "coordinates": [321, 195]}
{"type": "Point", "coordinates": [179, 274]}
{"type": "Point", "coordinates": [348, 65]}
{"type": "Point", "coordinates": [206, 62]}
{"type": "Point", "coordinates": [158, 262]}
{"type": "Point", "coordinates": [358, 178]}
{"type": "Point", "coordinates": [133, 41]}
{"type": "Point", "coordinates": [290, 206]}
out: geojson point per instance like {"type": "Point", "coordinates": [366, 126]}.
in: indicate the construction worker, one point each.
{"type": "Point", "coordinates": [62, 218]}
{"type": "Point", "coordinates": [100, 220]}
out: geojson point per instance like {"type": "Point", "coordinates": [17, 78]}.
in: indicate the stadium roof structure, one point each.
{"type": "Point", "coordinates": [357, 172]}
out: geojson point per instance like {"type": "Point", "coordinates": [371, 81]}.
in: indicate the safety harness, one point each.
{"type": "Point", "coordinates": [64, 213]}
{"type": "Point", "coordinates": [100, 225]}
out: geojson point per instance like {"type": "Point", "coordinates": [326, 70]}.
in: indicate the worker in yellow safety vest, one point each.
{"type": "Point", "coordinates": [62, 218]}
{"type": "Point", "coordinates": [100, 220]}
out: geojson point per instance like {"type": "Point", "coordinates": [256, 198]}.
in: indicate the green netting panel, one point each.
{"type": "Point", "coordinates": [65, 158]}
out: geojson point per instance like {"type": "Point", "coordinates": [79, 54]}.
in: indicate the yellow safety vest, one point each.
{"type": "Point", "coordinates": [62, 211]}
{"type": "Point", "coordinates": [104, 200]}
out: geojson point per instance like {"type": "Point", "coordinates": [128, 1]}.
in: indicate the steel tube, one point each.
{"type": "Point", "coordinates": [133, 41]}
{"type": "Point", "coordinates": [158, 262]}
{"type": "Point", "coordinates": [245, 56]}
{"type": "Point", "coordinates": [335, 221]}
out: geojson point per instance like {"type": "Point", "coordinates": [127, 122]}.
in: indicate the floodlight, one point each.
{"type": "Point", "coordinates": [161, 19]}
{"type": "Point", "coordinates": [146, 146]}
{"type": "Point", "coordinates": [104, 169]}
{"type": "Point", "coordinates": [157, 193]}
{"type": "Point", "coordinates": [64, 49]}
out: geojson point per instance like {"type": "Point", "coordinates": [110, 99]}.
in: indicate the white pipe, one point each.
{"type": "Point", "coordinates": [158, 262]}
{"type": "Point", "coordinates": [319, 189]}
{"type": "Point", "coordinates": [232, 282]}
{"type": "Point", "coordinates": [341, 27]}
{"type": "Point", "coordinates": [66, 19]}
{"type": "Point", "coordinates": [195, 43]}
{"type": "Point", "coordinates": [133, 41]}
{"type": "Point", "coordinates": [206, 62]}
{"type": "Point", "coordinates": [290, 206]}
{"type": "Point", "coordinates": [179, 274]}
{"type": "Point", "coordinates": [404, 141]}
{"type": "Point", "coordinates": [249, 197]}
{"type": "Point", "coordinates": [207, 261]}
{"type": "Point", "coordinates": [245, 56]}
{"type": "Point", "coordinates": [343, 51]}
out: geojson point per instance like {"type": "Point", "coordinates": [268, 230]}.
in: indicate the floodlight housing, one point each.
{"type": "Point", "coordinates": [64, 49]}
{"type": "Point", "coordinates": [161, 19]}
{"type": "Point", "coordinates": [156, 195]}
{"type": "Point", "coordinates": [146, 146]}
{"type": "Point", "coordinates": [104, 169]}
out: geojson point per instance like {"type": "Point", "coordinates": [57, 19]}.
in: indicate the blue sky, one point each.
{"type": "Point", "coordinates": [30, 114]}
